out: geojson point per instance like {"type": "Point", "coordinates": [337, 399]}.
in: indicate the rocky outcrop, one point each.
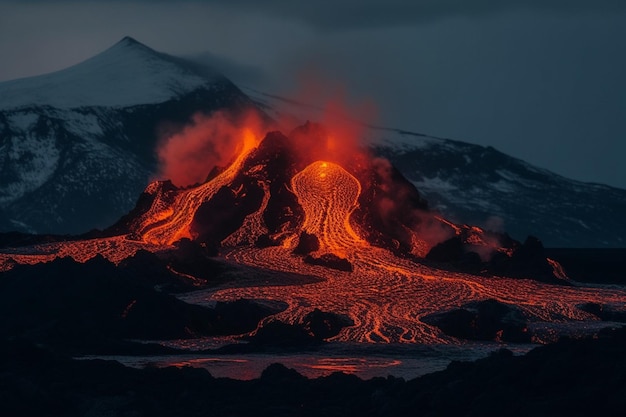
{"type": "Point", "coordinates": [483, 320]}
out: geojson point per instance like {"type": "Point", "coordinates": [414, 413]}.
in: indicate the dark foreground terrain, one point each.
{"type": "Point", "coordinates": [569, 378]}
{"type": "Point", "coordinates": [62, 309]}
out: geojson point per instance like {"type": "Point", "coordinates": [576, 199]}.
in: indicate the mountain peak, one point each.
{"type": "Point", "coordinates": [127, 73]}
{"type": "Point", "coordinates": [129, 40]}
{"type": "Point", "coordinates": [132, 45]}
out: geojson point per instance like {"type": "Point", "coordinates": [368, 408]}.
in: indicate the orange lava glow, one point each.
{"type": "Point", "coordinates": [171, 225]}
{"type": "Point", "coordinates": [187, 156]}
{"type": "Point", "coordinates": [328, 194]}
{"type": "Point", "coordinates": [386, 296]}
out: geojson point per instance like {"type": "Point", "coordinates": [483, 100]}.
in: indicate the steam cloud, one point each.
{"type": "Point", "coordinates": [401, 203]}
{"type": "Point", "coordinates": [188, 156]}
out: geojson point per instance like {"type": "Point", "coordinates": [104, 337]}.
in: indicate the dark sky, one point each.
{"type": "Point", "coordinates": [542, 80]}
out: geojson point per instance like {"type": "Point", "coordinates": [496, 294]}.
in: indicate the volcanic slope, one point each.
{"type": "Point", "coordinates": [283, 190]}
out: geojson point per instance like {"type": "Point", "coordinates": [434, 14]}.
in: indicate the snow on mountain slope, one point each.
{"type": "Point", "coordinates": [128, 73]}
{"type": "Point", "coordinates": [38, 157]}
{"type": "Point", "coordinates": [77, 147]}
{"type": "Point", "coordinates": [479, 185]}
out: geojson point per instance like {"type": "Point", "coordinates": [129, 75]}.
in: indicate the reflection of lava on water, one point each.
{"type": "Point", "coordinates": [259, 208]}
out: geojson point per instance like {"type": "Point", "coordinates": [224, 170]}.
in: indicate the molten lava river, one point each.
{"type": "Point", "coordinates": [386, 296]}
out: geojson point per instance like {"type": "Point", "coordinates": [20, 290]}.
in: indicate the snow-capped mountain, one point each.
{"type": "Point", "coordinates": [127, 74]}
{"type": "Point", "coordinates": [77, 146]}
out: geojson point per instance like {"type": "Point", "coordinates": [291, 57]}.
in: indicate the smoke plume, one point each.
{"type": "Point", "coordinates": [187, 156]}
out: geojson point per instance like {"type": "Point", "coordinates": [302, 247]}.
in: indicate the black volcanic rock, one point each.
{"type": "Point", "coordinates": [312, 330]}
{"type": "Point", "coordinates": [450, 250]}
{"type": "Point", "coordinates": [527, 260]}
{"type": "Point", "coordinates": [151, 270]}
{"type": "Point", "coordinates": [483, 320]}
{"type": "Point", "coordinates": [457, 253]}
{"type": "Point", "coordinates": [188, 251]}
{"type": "Point", "coordinates": [18, 239]}
{"type": "Point", "coordinates": [604, 312]}
{"type": "Point", "coordinates": [225, 212]}
{"type": "Point", "coordinates": [282, 335]}
{"type": "Point", "coordinates": [330, 260]}
{"type": "Point", "coordinates": [242, 316]}
{"type": "Point", "coordinates": [187, 266]}
{"type": "Point", "coordinates": [93, 307]}
{"type": "Point", "coordinates": [389, 206]}
{"type": "Point", "coordinates": [324, 325]}
{"type": "Point", "coordinates": [163, 191]}
{"type": "Point", "coordinates": [279, 164]}
{"type": "Point", "coordinates": [307, 243]}
{"type": "Point", "coordinates": [592, 265]}
{"type": "Point", "coordinates": [265, 241]}
{"type": "Point", "coordinates": [279, 374]}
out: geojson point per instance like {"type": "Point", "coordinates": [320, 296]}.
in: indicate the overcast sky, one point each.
{"type": "Point", "coordinates": [542, 80]}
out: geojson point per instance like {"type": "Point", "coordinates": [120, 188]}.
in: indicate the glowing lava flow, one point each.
{"type": "Point", "coordinates": [115, 249]}
{"type": "Point", "coordinates": [387, 296]}
{"type": "Point", "coordinates": [173, 225]}
{"type": "Point", "coordinates": [328, 195]}
{"type": "Point", "coordinates": [161, 226]}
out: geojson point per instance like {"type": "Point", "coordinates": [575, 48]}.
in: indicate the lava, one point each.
{"type": "Point", "coordinates": [171, 225]}
{"type": "Point", "coordinates": [187, 155]}
{"type": "Point", "coordinates": [385, 295]}
{"type": "Point", "coordinates": [328, 195]}
{"type": "Point", "coordinates": [115, 249]}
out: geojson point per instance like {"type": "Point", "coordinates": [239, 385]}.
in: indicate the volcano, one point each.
{"type": "Point", "coordinates": [78, 145]}
{"type": "Point", "coordinates": [307, 204]}
{"type": "Point", "coordinates": [288, 188]}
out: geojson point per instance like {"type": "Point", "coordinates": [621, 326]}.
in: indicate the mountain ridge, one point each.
{"type": "Point", "coordinates": [81, 164]}
{"type": "Point", "coordinates": [127, 73]}
{"type": "Point", "coordinates": [474, 184]}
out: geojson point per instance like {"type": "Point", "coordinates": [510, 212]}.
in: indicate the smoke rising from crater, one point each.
{"type": "Point", "coordinates": [188, 154]}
